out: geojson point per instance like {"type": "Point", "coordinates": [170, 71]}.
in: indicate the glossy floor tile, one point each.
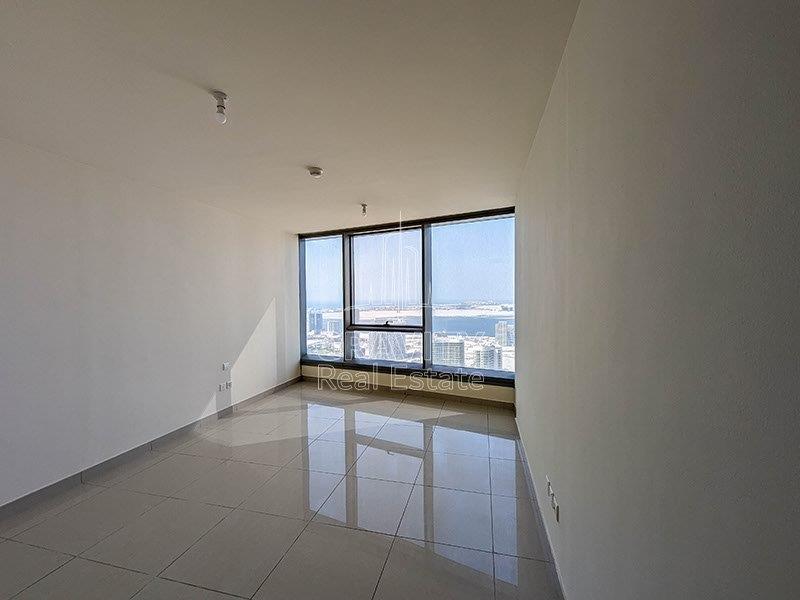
{"type": "Point", "coordinates": [328, 562]}
{"type": "Point", "coordinates": [238, 554]}
{"type": "Point", "coordinates": [307, 493]}
{"type": "Point", "coordinates": [88, 522]}
{"type": "Point", "coordinates": [523, 578]}
{"type": "Point", "coordinates": [389, 465]}
{"type": "Point", "coordinates": [369, 504]}
{"type": "Point", "coordinates": [327, 457]}
{"type": "Point", "coordinates": [293, 493]}
{"type": "Point", "coordinates": [22, 565]}
{"type": "Point", "coordinates": [505, 447]}
{"type": "Point", "coordinates": [163, 589]}
{"type": "Point", "coordinates": [423, 570]}
{"type": "Point", "coordinates": [258, 422]}
{"type": "Point", "coordinates": [516, 528]}
{"type": "Point", "coordinates": [401, 437]}
{"type": "Point", "coordinates": [305, 427]}
{"type": "Point", "coordinates": [425, 410]}
{"type": "Point", "coordinates": [33, 514]}
{"type": "Point", "coordinates": [175, 441]}
{"type": "Point", "coordinates": [351, 431]}
{"type": "Point", "coordinates": [502, 422]}
{"type": "Point", "coordinates": [170, 475]}
{"type": "Point", "coordinates": [124, 470]}
{"type": "Point", "coordinates": [88, 581]}
{"type": "Point", "coordinates": [464, 415]}
{"type": "Point", "coordinates": [273, 450]}
{"type": "Point", "coordinates": [222, 443]}
{"type": "Point", "coordinates": [455, 471]}
{"type": "Point", "coordinates": [508, 478]}
{"type": "Point", "coordinates": [459, 441]}
{"type": "Point", "coordinates": [229, 484]}
{"type": "Point", "coordinates": [449, 517]}
{"type": "Point", "coordinates": [151, 542]}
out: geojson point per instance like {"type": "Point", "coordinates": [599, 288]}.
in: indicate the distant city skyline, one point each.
{"type": "Point", "coordinates": [472, 262]}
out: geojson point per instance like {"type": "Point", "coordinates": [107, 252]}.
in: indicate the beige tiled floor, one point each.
{"type": "Point", "coordinates": [308, 493]}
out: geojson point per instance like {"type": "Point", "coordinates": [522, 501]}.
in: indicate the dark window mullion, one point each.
{"type": "Point", "coordinates": [385, 328]}
{"type": "Point", "coordinates": [303, 311]}
{"type": "Point", "coordinates": [347, 288]}
{"type": "Point", "coordinates": [427, 298]}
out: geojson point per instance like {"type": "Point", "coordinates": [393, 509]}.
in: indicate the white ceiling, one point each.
{"type": "Point", "coordinates": [415, 107]}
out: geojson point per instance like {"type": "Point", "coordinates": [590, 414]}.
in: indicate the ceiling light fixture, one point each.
{"type": "Point", "coordinates": [315, 172]}
{"type": "Point", "coordinates": [220, 97]}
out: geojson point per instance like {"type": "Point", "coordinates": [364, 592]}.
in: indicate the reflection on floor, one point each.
{"type": "Point", "coordinates": [308, 493]}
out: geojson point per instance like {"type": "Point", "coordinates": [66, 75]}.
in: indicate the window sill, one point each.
{"type": "Point", "coordinates": [499, 378]}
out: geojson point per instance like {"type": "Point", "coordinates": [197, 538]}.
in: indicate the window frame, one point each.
{"type": "Point", "coordinates": [426, 368]}
{"type": "Point", "coordinates": [349, 287]}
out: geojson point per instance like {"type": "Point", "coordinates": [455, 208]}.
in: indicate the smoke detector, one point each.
{"type": "Point", "coordinates": [315, 172]}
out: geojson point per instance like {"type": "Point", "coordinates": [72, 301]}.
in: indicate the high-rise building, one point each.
{"type": "Point", "coordinates": [334, 325]}
{"type": "Point", "coordinates": [315, 321]}
{"type": "Point", "coordinates": [504, 333]}
{"type": "Point", "coordinates": [448, 351]}
{"type": "Point", "coordinates": [489, 357]}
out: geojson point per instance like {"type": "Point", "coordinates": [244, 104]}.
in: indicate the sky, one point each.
{"type": "Point", "coordinates": [471, 261]}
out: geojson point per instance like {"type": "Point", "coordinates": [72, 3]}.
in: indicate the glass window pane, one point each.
{"type": "Point", "coordinates": [473, 294]}
{"type": "Point", "coordinates": [323, 271]}
{"type": "Point", "coordinates": [387, 278]}
{"type": "Point", "coordinates": [390, 346]}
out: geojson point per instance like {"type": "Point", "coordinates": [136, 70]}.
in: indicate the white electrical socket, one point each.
{"type": "Point", "coordinates": [228, 384]}
{"type": "Point", "coordinates": [226, 366]}
{"type": "Point", "coordinates": [221, 387]}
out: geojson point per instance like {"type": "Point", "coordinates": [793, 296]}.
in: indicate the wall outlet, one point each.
{"type": "Point", "coordinates": [226, 366]}
{"type": "Point", "coordinates": [221, 387]}
{"type": "Point", "coordinates": [228, 385]}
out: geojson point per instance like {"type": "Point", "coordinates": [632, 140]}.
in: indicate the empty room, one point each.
{"type": "Point", "coordinates": [388, 300]}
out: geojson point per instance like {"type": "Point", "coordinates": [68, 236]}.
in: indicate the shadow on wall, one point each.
{"type": "Point", "coordinates": [255, 368]}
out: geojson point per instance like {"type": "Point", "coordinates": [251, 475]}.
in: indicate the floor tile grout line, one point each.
{"type": "Point", "coordinates": [231, 511]}
{"type": "Point", "coordinates": [109, 564]}
{"type": "Point", "coordinates": [113, 482]}
{"type": "Point", "coordinates": [58, 568]}
{"type": "Point", "coordinates": [79, 555]}
{"type": "Point", "coordinates": [383, 568]}
{"type": "Point", "coordinates": [394, 538]}
{"type": "Point", "coordinates": [59, 512]}
{"type": "Point", "coordinates": [200, 587]}
{"type": "Point", "coordinates": [280, 560]}
{"type": "Point", "coordinates": [37, 546]}
{"type": "Point", "coordinates": [239, 507]}
{"type": "Point", "coordinates": [308, 523]}
{"type": "Point", "coordinates": [491, 525]}
{"type": "Point", "coordinates": [193, 544]}
{"type": "Point", "coordinates": [123, 526]}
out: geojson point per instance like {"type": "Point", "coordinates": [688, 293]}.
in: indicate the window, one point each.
{"type": "Point", "coordinates": [363, 296]}
{"type": "Point", "coordinates": [387, 278]}
{"type": "Point", "coordinates": [322, 270]}
{"type": "Point", "coordinates": [387, 346]}
{"type": "Point", "coordinates": [472, 275]}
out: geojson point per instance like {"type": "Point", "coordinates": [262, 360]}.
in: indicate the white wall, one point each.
{"type": "Point", "coordinates": [119, 302]}
{"type": "Point", "coordinates": [657, 301]}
